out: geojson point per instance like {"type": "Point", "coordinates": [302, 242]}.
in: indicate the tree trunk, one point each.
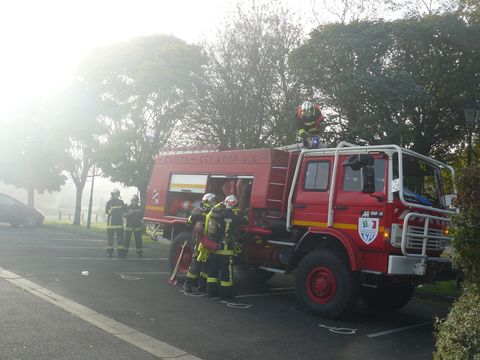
{"type": "Point", "coordinates": [90, 201]}
{"type": "Point", "coordinates": [143, 195]}
{"type": "Point", "coordinates": [31, 197]}
{"type": "Point", "coordinates": [78, 203]}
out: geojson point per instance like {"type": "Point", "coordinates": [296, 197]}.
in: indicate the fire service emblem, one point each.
{"type": "Point", "coordinates": [368, 229]}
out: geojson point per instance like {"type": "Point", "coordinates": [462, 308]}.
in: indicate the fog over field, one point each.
{"type": "Point", "coordinates": [50, 204]}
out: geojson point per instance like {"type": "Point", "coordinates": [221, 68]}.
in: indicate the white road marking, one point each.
{"type": "Point", "coordinates": [59, 247]}
{"type": "Point", "coordinates": [282, 288]}
{"type": "Point", "coordinates": [129, 277]}
{"type": "Point", "coordinates": [269, 294]}
{"type": "Point", "coordinates": [237, 305]}
{"type": "Point", "coordinates": [115, 328]}
{"type": "Point", "coordinates": [342, 331]}
{"type": "Point", "coordinates": [143, 273]}
{"type": "Point", "coordinates": [192, 294]}
{"type": "Point", "coordinates": [111, 259]}
{"type": "Point", "coordinates": [59, 239]}
{"type": "Point", "coordinates": [399, 329]}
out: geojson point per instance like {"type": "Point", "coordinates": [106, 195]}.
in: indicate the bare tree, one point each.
{"type": "Point", "coordinates": [248, 95]}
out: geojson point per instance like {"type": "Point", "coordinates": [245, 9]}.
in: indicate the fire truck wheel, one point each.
{"type": "Point", "coordinates": [175, 249]}
{"type": "Point", "coordinates": [253, 275]}
{"type": "Point", "coordinates": [325, 285]}
{"type": "Point", "coordinates": [388, 298]}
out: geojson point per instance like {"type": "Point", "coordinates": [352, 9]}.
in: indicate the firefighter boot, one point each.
{"type": "Point", "coordinates": [189, 283]}
{"type": "Point", "coordinates": [227, 292]}
{"type": "Point", "coordinates": [212, 290]}
{"type": "Point", "coordinates": [202, 285]}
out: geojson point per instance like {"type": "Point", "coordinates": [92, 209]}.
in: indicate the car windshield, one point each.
{"type": "Point", "coordinates": [422, 182]}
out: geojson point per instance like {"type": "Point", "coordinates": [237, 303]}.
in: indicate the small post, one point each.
{"type": "Point", "coordinates": [60, 215]}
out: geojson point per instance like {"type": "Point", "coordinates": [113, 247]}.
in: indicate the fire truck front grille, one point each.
{"type": "Point", "coordinates": [415, 242]}
{"type": "Point", "coordinates": [415, 238]}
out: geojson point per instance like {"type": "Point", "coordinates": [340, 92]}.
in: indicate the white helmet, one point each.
{"type": "Point", "coordinates": [230, 201]}
{"type": "Point", "coordinates": [209, 198]}
{"type": "Point", "coordinates": [308, 110]}
{"type": "Point", "coordinates": [115, 193]}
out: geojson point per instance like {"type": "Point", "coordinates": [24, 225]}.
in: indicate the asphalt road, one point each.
{"type": "Point", "coordinates": [62, 314]}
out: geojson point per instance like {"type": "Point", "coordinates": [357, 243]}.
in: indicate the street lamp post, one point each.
{"type": "Point", "coordinates": [471, 112]}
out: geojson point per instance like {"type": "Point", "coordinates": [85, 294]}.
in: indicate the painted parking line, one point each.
{"type": "Point", "coordinates": [282, 288]}
{"type": "Point", "coordinates": [113, 327]}
{"type": "Point", "coordinates": [265, 294]}
{"type": "Point", "coordinates": [55, 239]}
{"type": "Point", "coordinates": [144, 273]}
{"type": "Point", "coordinates": [58, 247]}
{"type": "Point", "coordinates": [388, 332]}
{"type": "Point", "coordinates": [105, 258]}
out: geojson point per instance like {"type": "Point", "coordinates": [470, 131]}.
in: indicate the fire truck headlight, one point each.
{"type": "Point", "coordinates": [386, 235]}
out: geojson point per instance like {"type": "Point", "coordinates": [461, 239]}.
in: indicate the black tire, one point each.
{"type": "Point", "coordinates": [389, 297]}
{"type": "Point", "coordinates": [325, 285]}
{"type": "Point", "coordinates": [253, 275]}
{"type": "Point", "coordinates": [175, 249]}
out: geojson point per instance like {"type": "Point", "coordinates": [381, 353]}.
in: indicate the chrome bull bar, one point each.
{"type": "Point", "coordinates": [425, 237]}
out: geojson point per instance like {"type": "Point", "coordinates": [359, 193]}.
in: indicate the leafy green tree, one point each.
{"type": "Point", "coordinates": [402, 82]}
{"type": "Point", "coordinates": [75, 114]}
{"type": "Point", "coordinates": [146, 86]}
{"type": "Point", "coordinates": [249, 92]}
{"type": "Point", "coordinates": [31, 154]}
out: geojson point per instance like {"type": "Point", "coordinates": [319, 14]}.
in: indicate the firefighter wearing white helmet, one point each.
{"type": "Point", "coordinates": [134, 225]}
{"type": "Point", "coordinates": [114, 210]}
{"type": "Point", "coordinates": [309, 118]}
{"type": "Point", "coordinates": [227, 218]}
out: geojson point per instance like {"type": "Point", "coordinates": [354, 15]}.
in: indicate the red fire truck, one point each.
{"type": "Point", "coordinates": [348, 222]}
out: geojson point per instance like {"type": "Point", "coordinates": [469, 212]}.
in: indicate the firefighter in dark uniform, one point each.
{"type": "Point", "coordinates": [114, 211]}
{"type": "Point", "coordinates": [309, 118]}
{"type": "Point", "coordinates": [197, 271]}
{"type": "Point", "coordinates": [221, 225]}
{"type": "Point", "coordinates": [134, 224]}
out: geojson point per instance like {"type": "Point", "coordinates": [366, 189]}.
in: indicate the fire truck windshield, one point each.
{"type": "Point", "coordinates": [422, 182]}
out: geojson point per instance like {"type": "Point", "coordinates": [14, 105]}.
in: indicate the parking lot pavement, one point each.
{"type": "Point", "coordinates": [262, 322]}
{"type": "Point", "coordinates": [34, 329]}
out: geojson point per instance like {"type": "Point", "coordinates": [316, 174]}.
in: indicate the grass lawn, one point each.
{"type": "Point", "coordinates": [443, 288]}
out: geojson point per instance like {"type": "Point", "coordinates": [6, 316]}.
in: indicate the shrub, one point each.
{"type": "Point", "coordinates": [458, 337]}
{"type": "Point", "coordinates": [466, 230]}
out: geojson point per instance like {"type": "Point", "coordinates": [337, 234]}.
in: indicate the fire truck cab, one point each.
{"type": "Point", "coordinates": [348, 222]}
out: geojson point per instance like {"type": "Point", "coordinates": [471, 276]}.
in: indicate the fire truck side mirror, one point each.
{"type": "Point", "coordinates": [368, 179]}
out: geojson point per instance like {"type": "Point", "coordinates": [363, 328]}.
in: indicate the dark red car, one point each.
{"type": "Point", "coordinates": [16, 213]}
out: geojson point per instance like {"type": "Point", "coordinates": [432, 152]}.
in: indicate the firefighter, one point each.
{"type": "Point", "coordinates": [197, 271]}
{"type": "Point", "coordinates": [309, 118]}
{"type": "Point", "coordinates": [114, 210]}
{"type": "Point", "coordinates": [134, 224]}
{"type": "Point", "coordinates": [221, 225]}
